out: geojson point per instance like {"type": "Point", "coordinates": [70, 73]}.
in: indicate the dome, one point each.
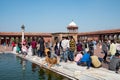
{"type": "Point", "coordinates": [72, 24]}
{"type": "Point", "coordinates": [72, 27]}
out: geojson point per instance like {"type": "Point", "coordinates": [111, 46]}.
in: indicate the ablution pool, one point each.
{"type": "Point", "coordinates": [13, 67]}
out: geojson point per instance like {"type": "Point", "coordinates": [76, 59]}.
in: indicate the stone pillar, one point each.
{"type": "Point", "coordinates": [22, 36]}
{"type": "Point", "coordinates": [103, 38]}
{"type": "Point", "coordinates": [9, 41]}
{"type": "Point", "coordinates": [115, 37]}
{"type": "Point", "coordinates": [31, 39]}
{"type": "Point", "coordinates": [75, 37]}
{"type": "Point", "coordinates": [112, 36]}
{"type": "Point", "coordinates": [23, 29]}
{"type": "Point", "coordinates": [5, 40]}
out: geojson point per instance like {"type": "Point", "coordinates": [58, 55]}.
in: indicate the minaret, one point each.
{"type": "Point", "coordinates": [72, 27]}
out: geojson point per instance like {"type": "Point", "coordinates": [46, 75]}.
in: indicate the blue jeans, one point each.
{"type": "Point", "coordinates": [41, 53]}
{"type": "Point", "coordinates": [71, 55]}
{"type": "Point", "coordinates": [105, 56]}
{"type": "Point", "coordinates": [64, 56]}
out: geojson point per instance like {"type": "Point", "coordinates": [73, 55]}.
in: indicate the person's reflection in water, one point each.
{"type": "Point", "coordinates": [34, 66]}
{"type": "Point", "coordinates": [42, 74]}
{"type": "Point", "coordinates": [53, 76]}
{"type": "Point", "coordinates": [49, 74]}
{"type": "Point", "coordinates": [23, 62]}
{"type": "Point", "coordinates": [45, 74]}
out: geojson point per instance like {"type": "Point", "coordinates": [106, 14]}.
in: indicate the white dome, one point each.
{"type": "Point", "coordinates": [72, 24]}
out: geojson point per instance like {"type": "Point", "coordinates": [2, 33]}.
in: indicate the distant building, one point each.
{"type": "Point", "coordinates": [72, 28]}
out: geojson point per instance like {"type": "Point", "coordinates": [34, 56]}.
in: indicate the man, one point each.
{"type": "Point", "coordinates": [42, 47]}
{"type": "Point", "coordinates": [50, 59]}
{"type": "Point", "coordinates": [105, 49]}
{"type": "Point", "coordinates": [114, 64]}
{"type": "Point", "coordinates": [112, 48]}
{"type": "Point", "coordinates": [65, 46]}
{"type": "Point", "coordinates": [72, 46]}
{"type": "Point", "coordinates": [33, 44]}
{"type": "Point", "coordinates": [86, 60]}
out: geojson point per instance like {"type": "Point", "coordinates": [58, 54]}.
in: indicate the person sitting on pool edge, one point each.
{"type": "Point", "coordinates": [50, 59]}
{"type": "Point", "coordinates": [96, 61]}
{"type": "Point", "coordinates": [85, 60]}
{"type": "Point", "coordinates": [114, 64]}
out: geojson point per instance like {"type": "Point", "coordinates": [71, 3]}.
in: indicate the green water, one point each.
{"type": "Point", "coordinates": [16, 68]}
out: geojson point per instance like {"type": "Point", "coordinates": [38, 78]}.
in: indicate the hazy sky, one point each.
{"type": "Point", "coordinates": [55, 15]}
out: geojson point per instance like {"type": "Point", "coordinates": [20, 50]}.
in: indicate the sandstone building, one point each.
{"type": "Point", "coordinates": [72, 30]}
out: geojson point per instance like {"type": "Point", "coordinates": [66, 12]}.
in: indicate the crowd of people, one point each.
{"type": "Point", "coordinates": [67, 49]}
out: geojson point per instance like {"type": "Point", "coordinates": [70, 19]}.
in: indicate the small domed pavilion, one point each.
{"type": "Point", "coordinates": [72, 27]}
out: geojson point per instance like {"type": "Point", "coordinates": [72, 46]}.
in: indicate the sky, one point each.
{"type": "Point", "coordinates": [55, 15]}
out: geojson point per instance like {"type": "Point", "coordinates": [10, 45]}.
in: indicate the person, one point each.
{"type": "Point", "coordinates": [72, 46]}
{"type": "Point", "coordinates": [42, 47]}
{"type": "Point", "coordinates": [24, 42]}
{"type": "Point", "coordinates": [50, 59]}
{"type": "Point", "coordinates": [79, 46]}
{"type": "Point", "coordinates": [91, 46]}
{"type": "Point", "coordinates": [34, 45]}
{"type": "Point", "coordinates": [114, 64]}
{"type": "Point", "coordinates": [46, 50]}
{"type": "Point", "coordinates": [105, 50]}
{"type": "Point", "coordinates": [24, 50]}
{"type": "Point", "coordinates": [18, 50]}
{"type": "Point", "coordinates": [13, 45]}
{"type": "Point", "coordinates": [85, 45]}
{"type": "Point", "coordinates": [86, 60]}
{"type": "Point", "coordinates": [96, 61]}
{"type": "Point", "coordinates": [78, 57]}
{"type": "Point", "coordinates": [65, 47]}
{"type": "Point", "coordinates": [112, 48]}
{"type": "Point", "coordinates": [94, 44]}
{"type": "Point", "coordinates": [57, 48]}
{"type": "Point", "coordinates": [38, 47]}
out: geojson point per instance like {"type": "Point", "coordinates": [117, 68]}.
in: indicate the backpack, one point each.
{"type": "Point", "coordinates": [79, 47]}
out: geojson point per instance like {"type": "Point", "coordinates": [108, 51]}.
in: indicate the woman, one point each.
{"type": "Point", "coordinates": [78, 57]}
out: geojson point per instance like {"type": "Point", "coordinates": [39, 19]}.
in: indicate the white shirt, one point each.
{"type": "Point", "coordinates": [65, 44]}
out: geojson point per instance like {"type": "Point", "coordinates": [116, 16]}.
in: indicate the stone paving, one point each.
{"type": "Point", "coordinates": [74, 72]}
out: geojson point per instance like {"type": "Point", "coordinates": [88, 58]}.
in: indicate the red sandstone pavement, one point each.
{"type": "Point", "coordinates": [5, 48]}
